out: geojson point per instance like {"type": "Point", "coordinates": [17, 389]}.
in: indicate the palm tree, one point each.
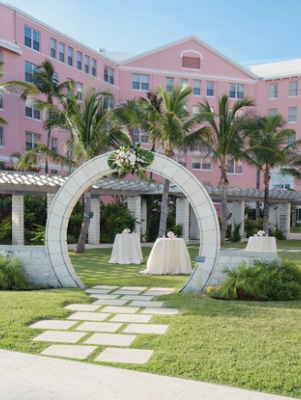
{"type": "Point", "coordinates": [173, 129]}
{"type": "Point", "coordinates": [269, 148]}
{"type": "Point", "coordinates": [90, 134]}
{"type": "Point", "coordinates": [45, 80]}
{"type": "Point", "coordinates": [227, 142]}
{"type": "Point", "coordinates": [13, 87]}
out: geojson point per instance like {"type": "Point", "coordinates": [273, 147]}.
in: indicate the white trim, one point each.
{"type": "Point", "coordinates": [191, 51]}
{"type": "Point", "coordinates": [181, 74]}
{"type": "Point", "coordinates": [11, 46]}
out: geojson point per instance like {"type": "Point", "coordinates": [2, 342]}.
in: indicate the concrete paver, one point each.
{"type": "Point", "coordinates": [132, 318]}
{"type": "Point", "coordinates": [138, 297]}
{"type": "Point", "coordinates": [146, 303]}
{"type": "Point", "coordinates": [82, 307]}
{"type": "Point", "coordinates": [136, 288]}
{"type": "Point", "coordinates": [99, 327]}
{"type": "Point", "coordinates": [53, 324]}
{"type": "Point", "coordinates": [69, 351]}
{"type": "Point", "coordinates": [146, 328]}
{"type": "Point", "coordinates": [110, 302]}
{"type": "Point", "coordinates": [127, 291]}
{"type": "Point", "coordinates": [105, 287]}
{"type": "Point", "coordinates": [88, 316]}
{"type": "Point", "coordinates": [111, 339]}
{"type": "Point", "coordinates": [123, 310]}
{"type": "Point", "coordinates": [165, 311]}
{"type": "Point", "coordinates": [58, 336]}
{"type": "Point", "coordinates": [96, 290]}
{"type": "Point", "coordinates": [126, 356]}
{"type": "Point", "coordinates": [104, 296]}
{"type": "Point", "coordinates": [154, 293]}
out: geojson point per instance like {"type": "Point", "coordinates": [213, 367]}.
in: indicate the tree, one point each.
{"type": "Point", "coordinates": [90, 133]}
{"type": "Point", "coordinates": [13, 87]}
{"type": "Point", "coordinates": [269, 147]}
{"type": "Point", "coordinates": [173, 129]}
{"type": "Point", "coordinates": [227, 142]}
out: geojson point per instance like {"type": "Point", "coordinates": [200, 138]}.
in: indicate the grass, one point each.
{"type": "Point", "coordinates": [253, 346]}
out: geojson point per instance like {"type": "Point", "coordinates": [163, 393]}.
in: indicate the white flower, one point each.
{"type": "Point", "coordinates": [170, 234]}
{"type": "Point", "coordinates": [260, 233]}
{"type": "Point", "coordinates": [118, 162]}
{"type": "Point", "coordinates": [132, 158]}
{"type": "Point", "coordinates": [122, 154]}
{"type": "Point", "coordinates": [126, 230]}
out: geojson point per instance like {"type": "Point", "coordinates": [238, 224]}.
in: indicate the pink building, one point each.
{"type": "Point", "coordinates": [25, 42]}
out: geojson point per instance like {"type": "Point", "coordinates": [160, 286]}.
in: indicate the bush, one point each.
{"type": "Point", "coordinates": [236, 236]}
{"type": "Point", "coordinates": [263, 281]}
{"type": "Point", "coordinates": [12, 274]}
{"type": "Point", "coordinates": [279, 234]}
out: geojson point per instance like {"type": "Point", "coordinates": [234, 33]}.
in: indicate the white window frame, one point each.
{"type": "Point", "coordinates": [62, 52]}
{"type": "Point", "coordinates": [54, 144]}
{"type": "Point", "coordinates": [1, 136]}
{"type": "Point", "coordinates": [272, 112]}
{"type": "Point", "coordinates": [293, 89]}
{"type": "Point", "coordinates": [183, 82]}
{"type": "Point", "coordinates": [273, 91]}
{"type": "Point", "coordinates": [1, 101]}
{"type": "Point", "coordinates": [35, 138]}
{"type": "Point", "coordinates": [141, 82]}
{"type": "Point", "coordinates": [182, 160]}
{"type": "Point", "coordinates": [109, 74]}
{"type": "Point", "coordinates": [52, 48]}
{"type": "Point", "coordinates": [204, 163]}
{"type": "Point", "coordinates": [87, 64]}
{"type": "Point", "coordinates": [234, 166]}
{"type": "Point", "coordinates": [70, 56]}
{"type": "Point", "coordinates": [292, 115]}
{"type": "Point", "coordinates": [30, 109]}
{"type": "Point", "coordinates": [28, 66]}
{"type": "Point", "coordinates": [291, 139]}
{"type": "Point", "coordinates": [139, 136]}
{"type": "Point", "coordinates": [196, 110]}
{"type": "Point", "coordinates": [79, 60]}
{"type": "Point", "coordinates": [93, 67]}
{"type": "Point", "coordinates": [79, 91]}
{"type": "Point", "coordinates": [208, 88]}
{"type": "Point", "coordinates": [170, 82]}
{"type": "Point", "coordinates": [197, 87]}
{"type": "Point", "coordinates": [236, 91]}
{"type": "Point", "coordinates": [1, 55]}
{"type": "Point", "coordinates": [108, 102]}
{"type": "Point", "coordinates": [33, 39]}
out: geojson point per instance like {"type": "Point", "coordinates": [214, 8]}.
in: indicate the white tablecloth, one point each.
{"type": "Point", "coordinates": [262, 244]}
{"type": "Point", "coordinates": [126, 249]}
{"type": "Point", "coordinates": [168, 256]}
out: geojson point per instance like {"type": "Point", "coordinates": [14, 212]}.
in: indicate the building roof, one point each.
{"type": "Point", "coordinates": [275, 70]}
{"type": "Point", "coordinates": [13, 182]}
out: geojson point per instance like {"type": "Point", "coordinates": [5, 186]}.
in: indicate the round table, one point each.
{"type": "Point", "coordinates": [126, 249]}
{"type": "Point", "coordinates": [262, 244]}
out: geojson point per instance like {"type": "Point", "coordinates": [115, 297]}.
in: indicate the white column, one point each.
{"type": "Point", "coordinates": [182, 216]}
{"type": "Point", "coordinates": [18, 220]}
{"type": "Point", "coordinates": [194, 232]}
{"type": "Point", "coordinates": [284, 218]}
{"type": "Point", "coordinates": [143, 217]}
{"type": "Point", "coordinates": [134, 205]}
{"type": "Point", "coordinates": [94, 227]}
{"type": "Point", "coordinates": [238, 216]}
{"type": "Point", "coordinates": [273, 216]}
{"type": "Point", "coordinates": [50, 197]}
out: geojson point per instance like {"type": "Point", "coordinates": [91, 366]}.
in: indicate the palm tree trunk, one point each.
{"type": "Point", "coordinates": [266, 210]}
{"type": "Point", "coordinates": [80, 247]}
{"type": "Point", "coordinates": [257, 210]}
{"type": "Point", "coordinates": [223, 186]}
{"type": "Point", "coordinates": [164, 209]}
{"type": "Point", "coordinates": [48, 145]}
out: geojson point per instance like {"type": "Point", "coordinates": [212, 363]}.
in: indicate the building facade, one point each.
{"type": "Point", "coordinates": [25, 42]}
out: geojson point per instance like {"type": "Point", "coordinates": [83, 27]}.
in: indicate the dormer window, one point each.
{"type": "Point", "coordinates": [191, 59]}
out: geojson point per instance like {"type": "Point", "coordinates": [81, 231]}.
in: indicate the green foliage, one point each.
{"type": "Point", "coordinates": [236, 236]}
{"type": "Point", "coordinates": [12, 274]}
{"type": "Point", "coordinates": [279, 234]}
{"type": "Point", "coordinates": [265, 281]}
{"type": "Point", "coordinates": [75, 222]}
{"type": "Point", "coordinates": [177, 230]}
{"type": "Point", "coordinates": [6, 230]}
{"type": "Point", "coordinates": [38, 235]}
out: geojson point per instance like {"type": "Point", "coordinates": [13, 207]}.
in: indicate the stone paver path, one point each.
{"type": "Point", "coordinates": [113, 321]}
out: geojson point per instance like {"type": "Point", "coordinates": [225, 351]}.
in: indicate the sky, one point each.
{"type": "Point", "coordinates": [247, 31]}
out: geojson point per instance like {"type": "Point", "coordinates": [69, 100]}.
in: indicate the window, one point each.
{"type": "Point", "coordinates": [139, 136]}
{"type": "Point", "coordinates": [272, 111]}
{"type": "Point", "coordinates": [1, 136]}
{"type": "Point", "coordinates": [109, 75]}
{"type": "Point", "coordinates": [53, 48]}
{"type": "Point", "coordinates": [31, 140]}
{"type": "Point", "coordinates": [191, 62]}
{"type": "Point", "coordinates": [210, 89]}
{"type": "Point", "coordinates": [234, 167]}
{"type": "Point", "coordinates": [201, 163]}
{"type": "Point", "coordinates": [1, 101]}
{"type": "Point", "coordinates": [140, 82]}
{"type": "Point", "coordinates": [293, 92]}
{"type": "Point", "coordinates": [181, 160]}
{"type": "Point", "coordinates": [108, 102]}
{"type": "Point", "coordinates": [70, 56]}
{"type": "Point", "coordinates": [183, 82]}
{"type": "Point", "coordinates": [273, 90]}
{"type": "Point", "coordinates": [196, 110]}
{"type": "Point", "coordinates": [54, 142]}
{"type": "Point", "coordinates": [29, 69]}
{"type": "Point", "coordinates": [94, 68]}
{"type": "Point", "coordinates": [79, 94]}
{"type": "Point", "coordinates": [238, 114]}
{"type": "Point", "coordinates": [292, 114]}
{"type": "Point", "coordinates": [79, 60]}
{"type": "Point", "coordinates": [236, 91]}
{"type": "Point", "coordinates": [291, 139]}
{"type": "Point", "coordinates": [31, 111]}
{"type": "Point", "coordinates": [31, 38]}
{"type": "Point", "coordinates": [169, 84]}
{"type": "Point", "coordinates": [62, 52]}
{"type": "Point", "coordinates": [1, 55]}
{"type": "Point", "coordinates": [87, 64]}
{"type": "Point", "coordinates": [196, 87]}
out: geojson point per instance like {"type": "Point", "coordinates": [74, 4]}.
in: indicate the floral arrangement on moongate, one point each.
{"type": "Point", "coordinates": [261, 233]}
{"type": "Point", "coordinates": [130, 159]}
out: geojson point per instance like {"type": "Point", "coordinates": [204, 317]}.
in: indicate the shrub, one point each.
{"type": "Point", "coordinates": [263, 281]}
{"type": "Point", "coordinates": [12, 274]}
{"type": "Point", "coordinates": [236, 236]}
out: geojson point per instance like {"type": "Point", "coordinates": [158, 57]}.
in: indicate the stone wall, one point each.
{"type": "Point", "coordinates": [34, 261]}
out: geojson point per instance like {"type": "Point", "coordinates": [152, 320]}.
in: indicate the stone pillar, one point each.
{"type": "Point", "coordinates": [273, 212]}
{"type": "Point", "coordinates": [182, 216]}
{"type": "Point", "coordinates": [194, 232]}
{"type": "Point", "coordinates": [50, 197]}
{"type": "Point", "coordinates": [238, 216]}
{"type": "Point", "coordinates": [94, 227]}
{"type": "Point", "coordinates": [134, 205]}
{"type": "Point", "coordinates": [143, 217]}
{"type": "Point", "coordinates": [284, 218]}
{"type": "Point", "coordinates": [18, 220]}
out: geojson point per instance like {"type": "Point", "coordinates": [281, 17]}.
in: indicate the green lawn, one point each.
{"type": "Point", "coordinates": [248, 345]}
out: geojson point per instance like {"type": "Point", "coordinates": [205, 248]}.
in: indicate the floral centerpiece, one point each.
{"type": "Point", "coordinates": [261, 233]}
{"type": "Point", "coordinates": [126, 230]}
{"type": "Point", "coordinates": [171, 235]}
{"type": "Point", "coordinates": [130, 159]}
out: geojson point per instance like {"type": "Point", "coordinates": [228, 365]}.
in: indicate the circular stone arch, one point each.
{"type": "Point", "coordinates": [87, 174]}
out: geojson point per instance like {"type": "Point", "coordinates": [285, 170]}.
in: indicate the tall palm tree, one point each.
{"type": "Point", "coordinates": [89, 134]}
{"type": "Point", "coordinates": [227, 141]}
{"type": "Point", "coordinates": [173, 129]}
{"type": "Point", "coordinates": [269, 148]}
{"type": "Point", "coordinates": [13, 87]}
{"type": "Point", "coordinates": [45, 80]}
